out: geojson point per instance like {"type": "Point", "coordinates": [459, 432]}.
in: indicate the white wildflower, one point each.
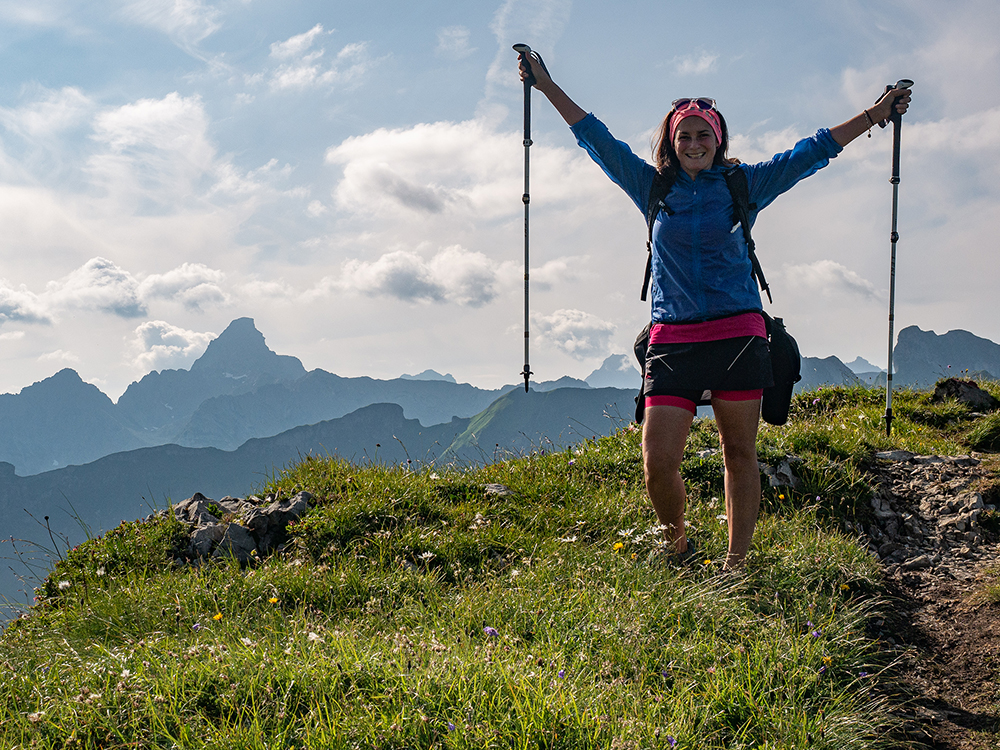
{"type": "Point", "coordinates": [63, 585]}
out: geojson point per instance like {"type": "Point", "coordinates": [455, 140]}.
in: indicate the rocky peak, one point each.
{"type": "Point", "coordinates": [241, 352]}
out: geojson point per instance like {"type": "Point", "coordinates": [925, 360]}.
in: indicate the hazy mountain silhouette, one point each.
{"type": "Point", "coordinates": [60, 420]}
{"type": "Point", "coordinates": [239, 389]}
{"type": "Point", "coordinates": [921, 358]}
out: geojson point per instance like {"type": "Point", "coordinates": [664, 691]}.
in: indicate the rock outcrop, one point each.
{"type": "Point", "coordinates": [234, 527]}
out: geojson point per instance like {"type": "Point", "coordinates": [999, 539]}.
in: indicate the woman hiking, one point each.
{"type": "Point", "coordinates": [707, 344]}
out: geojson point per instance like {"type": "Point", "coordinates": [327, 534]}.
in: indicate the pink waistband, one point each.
{"type": "Point", "coordinates": [746, 324]}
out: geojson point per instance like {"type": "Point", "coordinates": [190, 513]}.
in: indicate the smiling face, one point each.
{"type": "Point", "coordinates": [695, 145]}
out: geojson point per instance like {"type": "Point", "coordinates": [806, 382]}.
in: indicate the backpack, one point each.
{"type": "Point", "coordinates": [786, 362]}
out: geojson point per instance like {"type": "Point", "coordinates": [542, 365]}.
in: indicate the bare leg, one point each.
{"type": "Point", "coordinates": [737, 422]}
{"type": "Point", "coordinates": [664, 433]}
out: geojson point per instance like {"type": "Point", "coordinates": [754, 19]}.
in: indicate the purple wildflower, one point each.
{"type": "Point", "coordinates": [562, 674]}
{"type": "Point", "coordinates": [822, 669]}
{"type": "Point", "coordinates": [196, 626]}
{"type": "Point", "coordinates": [817, 633]}
{"type": "Point", "coordinates": [815, 401]}
{"type": "Point", "coordinates": [862, 674]}
{"type": "Point", "coordinates": [491, 632]}
{"type": "Point", "coordinates": [809, 623]}
{"type": "Point", "coordinates": [671, 741]}
{"type": "Point", "coordinates": [451, 727]}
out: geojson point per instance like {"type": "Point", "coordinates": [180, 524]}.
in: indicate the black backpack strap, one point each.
{"type": "Point", "coordinates": [657, 193]}
{"type": "Point", "coordinates": [739, 191]}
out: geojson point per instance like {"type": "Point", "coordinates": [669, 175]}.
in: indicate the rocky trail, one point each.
{"type": "Point", "coordinates": [935, 529]}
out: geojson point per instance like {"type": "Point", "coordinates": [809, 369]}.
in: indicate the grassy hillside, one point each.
{"type": "Point", "coordinates": [431, 608]}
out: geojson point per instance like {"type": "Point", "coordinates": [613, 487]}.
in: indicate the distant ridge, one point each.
{"type": "Point", "coordinates": [430, 375]}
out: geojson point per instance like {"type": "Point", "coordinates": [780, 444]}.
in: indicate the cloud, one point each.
{"type": "Point", "coordinates": [577, 333]}
{"type": "Point", "coordinates": [297, 45]}
{"type": "Point", "coordinates": [465, 169]}
{"type": "Point", "coordinates": [12, 336]}
{"type": "Point", "coordinates": [274, 290]}
{"type": "Point", "coordinates": [97, 285]}
{"type": "Point", "coordinates": [537, 23]}
{"type": "Point", "coordinates": [21, 305]}
{"type": "Point", "coordinates": [300, 65]}
{"type": "Point", "coordinates": [454, 275]}
{"type": "Point", "coordinates": [186, 22]}
{"type": "Point", "coordinates": [59, 355]}
{"type": "Point", "coordinates": [751, 149]}
{"type": "Point", "coordinates": [52, 113]}
{"type": "Point", "coordinates": [192, 284]}
{"type": "Point", "coordinates": [100, 285]}
{"type": "Point", "coordinates": [453, 43]}
{"type": "Point", "coordinates": [156, 148]}
{"type": "Point", "coordinates": [695, 64]}
{"type": "Point", "coordinates": [829, 279]}
{"type": "Point", "coordinates": [555, 272]}
{"type": "Point", "coordinates": [160, 345]}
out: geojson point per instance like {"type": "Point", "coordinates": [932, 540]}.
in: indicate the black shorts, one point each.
{"type": "Point", "coordinates": [737, 364]}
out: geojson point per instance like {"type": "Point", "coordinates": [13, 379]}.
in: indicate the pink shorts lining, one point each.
{"type": "Point", "coordinates": [686, 403]}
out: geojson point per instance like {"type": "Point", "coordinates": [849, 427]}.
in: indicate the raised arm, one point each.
{"type": "Point", "coordinates": [565, 106]}
{"type": "Point", "coordinates": [881, 110]}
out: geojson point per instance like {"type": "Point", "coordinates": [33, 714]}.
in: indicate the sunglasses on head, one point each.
{"type": "Point", "coordinates": [701, 103]}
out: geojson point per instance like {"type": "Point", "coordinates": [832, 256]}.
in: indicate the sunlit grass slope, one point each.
{"type": "Point", "coordinates": [422, 608]}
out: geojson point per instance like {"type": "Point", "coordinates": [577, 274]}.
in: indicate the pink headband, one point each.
{"type": "Point", "coordinates": [692, 110]}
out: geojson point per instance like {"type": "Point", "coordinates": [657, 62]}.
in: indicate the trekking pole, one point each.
{"type": "Point", "coordinates": [897, 125]}
{"type": "Point", "coordinates": [525, 51]}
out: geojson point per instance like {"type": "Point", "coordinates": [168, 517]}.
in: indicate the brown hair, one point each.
{"type": "Point", "coordinates": [664, 156]}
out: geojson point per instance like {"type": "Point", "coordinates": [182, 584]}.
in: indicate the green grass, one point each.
{"type": "Point", "coordinates": [412, 609]}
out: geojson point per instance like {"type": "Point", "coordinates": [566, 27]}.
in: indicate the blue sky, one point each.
{"type": "Point", "coordinates": [349, 175]}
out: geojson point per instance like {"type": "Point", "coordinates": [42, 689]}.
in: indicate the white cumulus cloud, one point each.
{"type": "Point", "coordinates": [577, 333]}
{"type": "Point", "coordinates": [21, 305]}
{"type": "Point", "coordinates": [454, 275]}
{"type": "Point", "coordinates": [466, 169]}
{"type": "Point", "coordinates": [827, 278]}
{"type": "Point", "coordinates": [100, 285]}
{"type": "Point", "coordinates": [192, 284]}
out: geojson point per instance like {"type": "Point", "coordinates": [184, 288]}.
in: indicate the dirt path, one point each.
{"type": "Point", "coordinates": [939, 554]}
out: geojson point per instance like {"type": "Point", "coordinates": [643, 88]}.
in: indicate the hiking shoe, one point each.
{"type": "Point", "coordinates": [663, 554]}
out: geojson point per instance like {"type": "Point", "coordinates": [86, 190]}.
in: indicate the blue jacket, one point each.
{"type": "Point", "coordinates": [700, 265]}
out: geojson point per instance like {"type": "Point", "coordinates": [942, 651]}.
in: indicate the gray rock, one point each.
{"type": "Point", "coordinates": [918, 563]}
{"type": "Point", "coordinates": [498, 489]}
{"type": "Point", "coordinates": [236, 542]}
{"type": "Point", "coordinates": [204, 539]}
{"type": "Point", "coordinates": [895, 455]}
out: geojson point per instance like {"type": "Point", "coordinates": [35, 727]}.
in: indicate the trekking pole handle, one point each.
{"type": "Point", "coordinates": [897, 123]}
{"type": "Point", "coordinates": [902, 83]}
{"type": "Point", "coordinates": [525, 52]}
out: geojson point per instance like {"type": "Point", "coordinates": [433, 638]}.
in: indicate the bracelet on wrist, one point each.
{"type": "Point", "coordinates": [870, 123]}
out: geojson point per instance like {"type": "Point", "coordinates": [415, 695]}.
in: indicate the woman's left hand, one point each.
{"type": "Point", "coordinates": [882, 111]}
